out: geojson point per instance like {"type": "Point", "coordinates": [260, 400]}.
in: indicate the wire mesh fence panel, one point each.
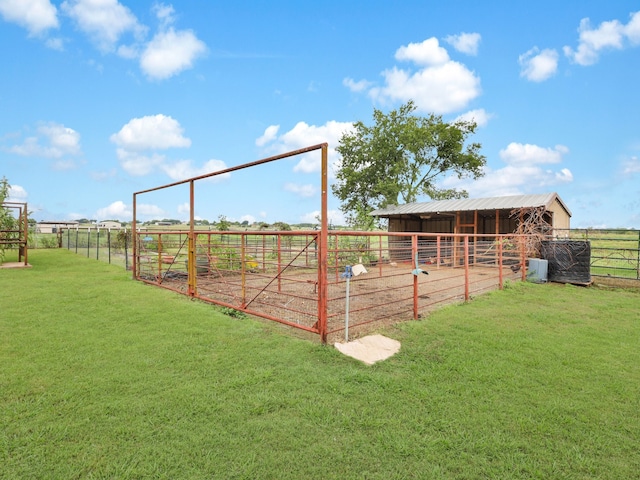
{"type": "Point", "coordinates": [108, 245]}
{"type": "Point", "coordinates": [615, 253]}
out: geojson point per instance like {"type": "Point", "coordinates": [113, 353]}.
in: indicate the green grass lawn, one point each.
{"type": "Point", "coordinates": [104, 377]}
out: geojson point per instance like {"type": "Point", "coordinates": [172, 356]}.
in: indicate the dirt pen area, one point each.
{"type": "Point", "coordinates": [278, 275]}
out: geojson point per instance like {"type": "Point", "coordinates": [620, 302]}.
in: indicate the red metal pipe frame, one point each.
{"type": "Point", "coordinates": [466, 268]}
{"type": "Point", "coordinates": [323, 257]}
{"type": "Point", "coordinates": [322, 250]}
{"type": "Point", "coordinates": [414, 255]}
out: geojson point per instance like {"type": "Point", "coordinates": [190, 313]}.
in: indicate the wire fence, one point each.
{"type": "Point", "coordinates": [277, 275]}
{"type": "Point", "coordinates": [615, 253]}
{"type": "Point", "coordinates": [108, 245]}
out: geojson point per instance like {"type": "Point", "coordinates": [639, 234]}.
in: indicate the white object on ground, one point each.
{"type": "Point", "coordinates": [358, 269]}
{"type": "Point", "coordinates": [370, 349]}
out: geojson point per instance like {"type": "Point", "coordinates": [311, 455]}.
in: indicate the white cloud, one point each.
{"type": "Point", "coordinates": [520, 154]}
{"type": "Point", "coordinates": [334, 217]}
{"type": "Point", "coordinates": [104, 21]}
{"type": "Point", "coordinates": [354, 86]}
{"type": "Point", "coordinates": [429, 52]}
{"type": "Point", "coordinates": [609, 35]}
{"type": "Point", "coordinates": [135, 163]}
{"type": "Point", "coordinates": [248, 218]}
{"type": "Point", "coordinates": [37, 16]}
{"type": "Point", "coordinates": [17, 194]}
{"type": "Point", "coordinates": [303, 135]}
{"type": "Point", "coordinates": [55, 44]}
{"type": "Point", "coordinates": [307, 190]}
{"type": "Point", "coordinates": [631, 167]}
{"type": "Point", "coordinates": [632, 29]}
{"type": "Point", "coordinates": [183, 169]}
{"type": "Point", "coordinates": [465, 42]}
{"type": "Point", "coordinates": [184, 209]}
{"type": "Point", "coordinates": [53, 140]}
{"type": "Point", "coordinates": [170, 52]}
{"type": "Point", "coordinates": [164, 13]}
{"type": "Point", "coordinates": [439, 86]}
{"type": "Point", "coordinates": [537, 65]}
{"type": "Point", "coordinates": [117, 210]}
{"type": "Point", "coordinates": [149, 210]}
{"type": "Point", "coordinates": [480, 116]}
{"type": "Point", "coordinates": [269, 134]}
{"type": "Point", "coordinates": [64, 164]}
{"type": "Point", "coordinates": [525, 171]}
{"type": "Point", "coordinates": [140, 140]}
{"type": "Point", "coordinates": [153, 132]}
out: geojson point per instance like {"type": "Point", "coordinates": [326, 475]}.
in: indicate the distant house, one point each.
{"type": "Point", "coordinates": [473, 215]}
{"type": "Point", "coordinates": [109, 224]}
{"type": "Point", "coordinates": [54, 227]}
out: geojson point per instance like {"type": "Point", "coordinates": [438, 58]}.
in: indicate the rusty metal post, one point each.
{"type": "Point", "coordinates": [134, 239]}
{"type": "Point", "coordinates": [159, 248]}
{"type": "Point", "coordinates": [438, 252]}
{"type": "Point", "coordinates": [279, 246]}
{"type": "Point", "coordinates": [243, 277]}
{"type": "Point", "coordinates": [523, 258]}
{"type": "Point", "coordinates": [414, 254]}
{"type": "Point", "coordinates": [380, 254]}
{"type": "Point", "coordinates": [322, 260]}
{"type": "Point", "coordinates": [500, 279]}
{"type": "Point", "coordinates": [466, 268]}
{"type": "Point", "coordinates": [191, 253]}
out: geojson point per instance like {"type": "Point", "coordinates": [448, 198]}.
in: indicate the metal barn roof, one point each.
{"type": "Point", "coordinates": [472, 204]}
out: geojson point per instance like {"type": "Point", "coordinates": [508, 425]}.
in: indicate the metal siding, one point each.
{"type": "Point", "coordinates": [468, 204]}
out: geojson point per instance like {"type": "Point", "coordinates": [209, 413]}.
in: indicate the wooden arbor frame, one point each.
{"type": "Point", "coordinates": [22, 231]}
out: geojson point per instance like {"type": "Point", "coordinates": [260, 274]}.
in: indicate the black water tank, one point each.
{"type": "Point", "coordinates": [569, 261]}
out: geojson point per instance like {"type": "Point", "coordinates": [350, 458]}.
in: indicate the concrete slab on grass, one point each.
{"type": "Point", "coordinates": [15, 265]}
{"type": "Point", "coordinates": [370, 349]}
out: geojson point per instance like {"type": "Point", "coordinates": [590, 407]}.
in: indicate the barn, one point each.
{"type": "Point", "coordinates": [54, 227]}
{"type": "Point", "coordinates": [478, 216]}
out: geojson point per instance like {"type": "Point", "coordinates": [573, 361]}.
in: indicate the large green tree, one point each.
{"type": "Point", "coordinates": [400, 158]}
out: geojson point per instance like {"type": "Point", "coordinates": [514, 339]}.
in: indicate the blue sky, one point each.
{"type": "Point", "coordinates": [102, 98]}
